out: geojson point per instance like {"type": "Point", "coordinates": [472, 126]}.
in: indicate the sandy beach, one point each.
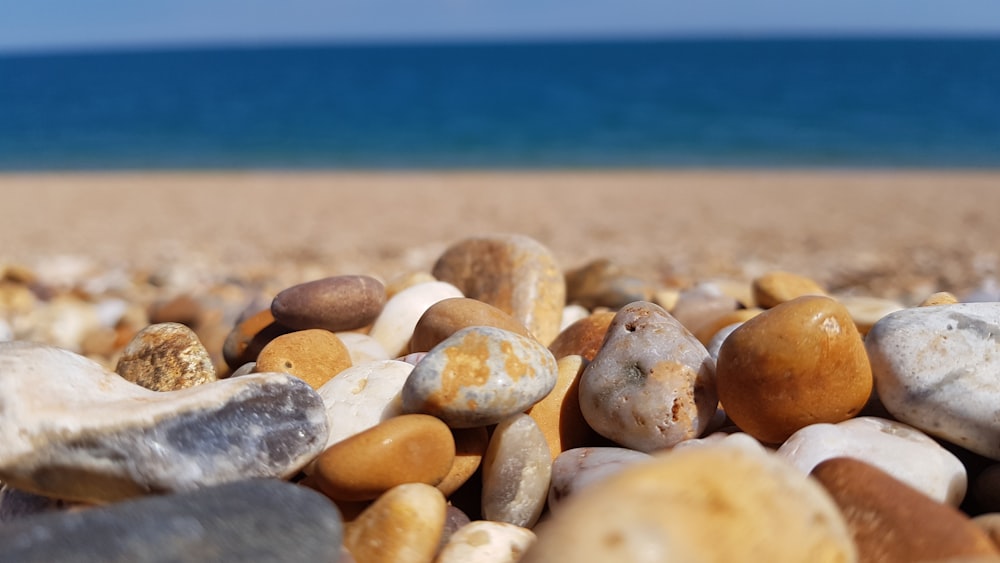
{"type": "Point", "coordinates": [901, 234]}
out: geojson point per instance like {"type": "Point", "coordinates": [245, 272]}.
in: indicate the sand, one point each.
{"type": "Point", "coordinates": [902, 234]}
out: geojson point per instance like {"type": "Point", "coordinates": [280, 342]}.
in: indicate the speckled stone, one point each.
{"type": "Point", "coordinates": [799, 363]}
{"type": "Point", "coordinates": [71, 429]}
{"type": "Point", "coordinates": [362, 396]}
{"type": "Point", "coordinates": [249, 337]}
{"type": "Point", "coordinates": [558, 415]}
{"type": "Point", "coordinates": [335, 303]}
{"type": "Point", "coordinates": [313, 355]}
{"type": "Point", "coordinates": [479, 376]}
{"type": "Point", "coordinates": [448, 316]}
{"type": "Point", "coordinates": [470, 447]}
{"type": "Point", "coordinates": [650, 385]}
{"type": "Point", "coordinates": [516, 472]}
{"type": "Point", "coordinates": [576, 469]}
{"type": "Point", "coordinates": [775, 288]}
{"type": "Point", "coordinates": [263, 520]}
{"type": "Point", "coordinates": [484, 541]}
{"type": "Point", "coordinates": [166, 357]}
{"type": "Point", "coordinates": [514, 273]}
{"type": "Point", "coordinates": [394, 327]}
{"type": "Point", "coordinates": [584, 337]}
{"type": "Point", "coordinates": [403, 526]}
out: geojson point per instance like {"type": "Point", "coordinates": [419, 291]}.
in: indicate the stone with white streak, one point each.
{"type": "Point", "coordinates": [484, 541]}
{"type": "Point", "coordinates": [362, 396]}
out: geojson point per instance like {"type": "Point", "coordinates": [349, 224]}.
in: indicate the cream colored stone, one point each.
{"type": "Point", "coordinates": [394, 327]}
{"type": "Point", "coordinates": [484, 541]}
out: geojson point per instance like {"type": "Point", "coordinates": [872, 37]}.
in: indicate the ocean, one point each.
{"type": "Point", "coordinates": [677, 103]}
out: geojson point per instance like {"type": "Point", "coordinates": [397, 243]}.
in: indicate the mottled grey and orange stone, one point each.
{"type": "Point", "coordinates": [335, 303]}
{"type": "Point", "coordinates": [166, 357]}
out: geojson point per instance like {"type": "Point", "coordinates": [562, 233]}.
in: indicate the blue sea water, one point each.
{"type": "Point", "coordinates": [825, 103]}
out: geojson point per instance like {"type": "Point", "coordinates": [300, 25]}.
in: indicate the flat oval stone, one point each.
{"type": "Point", "coordinates": [479, 376]}
{"type": "Point", "coordinates": [891, 521]}
{"type": "Point", "coordinates": [775, 288]}
{"type": "Point", "coordinates": [362, 396]}
{"type": "Point", "coordinates": [576, 469]}
{"type": "Point", "coordinates": [484, 541]}
{"type": "Point", "coordinates": [251, 520]}
{"type": "Point", "coordinates": [362, 347]}
{"type": "Point", "coordinates": [900, 450]}
{"type": "Point", "coordinates": [448, 316]}
{"type": "Point", "coordinates": [403, 526]}
{"type": "Point", "coordinates": [410, 448]}
{"type": "Point", "coordinates": [249, 337]}
{"type": "Point", "coordinates": [313, 355]}
{"type": "Point", "coordinates": [470, 447]}
{"type": "Point", "coordinates": [936, 368]}
{"type": "Point", "coordinates": [516, 472]}
{"type": "Point", "coordinates": [711, 503]}
{"type": "Point", "coordinates": [584, 337]}
{"type": "Point", "coordinates": [166, 357]}
{"type": "Point", "coordinates": [650, 385]}
{"type": "Point", "coordinates": [394, 327]}
{"type": "Point", "coordinates": [514, 273]}
{"type": "Point", "coordinates": [798, 363]}
{"type": "Point", "coordinates": [558, 415]}
{"type": "Point", "coordinates": [335, 303]}
{"type": "Point", "coordinates": [71, 429]}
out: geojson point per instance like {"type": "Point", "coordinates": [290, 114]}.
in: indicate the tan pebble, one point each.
{"type": "Point", "coordinates": [18, 273]}
{"type": "Point", "coordinates": [558, 415]}
{"type": "Point", "coordinates": [701, 305]}
{"type": "Point", "coordinates": [166, 357]}
{"type": "Point", "coordinates": [315, 356]}
{"type": "Point", "coordinates": [866, 311]}
{"type": "Point", "coordinates": [939, 298]}
{"type": "Point", "coordinates": [470, 447]}
{"type": "Point", "coordinates": [584, 337]}
{"type": "Point", "coordinates": [249, 337]}
{"type": "Point", "coordinates": [667, 297]}
{"type": "Point", "coordinates": [448, 316]}
{"type": "Point", "coordinates": [741, 291]}
{"type": "Point", "coordinates": [890, 521]}
{"type": "Point", "coordinates": [182, 309]}
{"type": "Point", "coordinates": [484, 541]}
{"type": "Point", "coordinates": [517, 470]}
{"type": "Point", "coordinates": [990, 524]}
{"type": "Point", "coordinates": [403, 526]}
{"type": "Point", "coordinates": [406, 280]}
{"type": "Point", "coordinates": [799, 363]}
{"type": "Point", "coordinates": [709, 329]}
{"type": "Point", "coordinates": [16, 299]}
{"type": "Point", "coordinates": [774, 288]}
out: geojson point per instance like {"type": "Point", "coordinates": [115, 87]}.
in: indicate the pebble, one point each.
{"type": "Point", "coordinates": [166, 357]}
{"type": "Point", "coordinates": [708, 330]}
{"type": "Point", "coordinates": [394, 327]}
{"type": "Point", "coordinates": [514, 273]}
{"type": "Point", "coordinates": [249, 337]}
{"type": "Point", "coordinates": [183, 309]}
{"type": "Point", "coordinates": [891, 521]}
{"type": "Point", "coordinates": [448, 316]}
{"type": "Point", "coordinates": [936, 368]}
{"type": "Point", "coordinates": [939, 298]}
{"type": "Point", "coordinates": [799, 363]}
{"type": "Point", "coordinates": [571, 314]}
{"type": "Point", "coordinates": [251, 520]}
{"type": "Point", "coordinates": [470, 447]}
{"type": "Point", "coordinates": [314, 355]}
{"type": "Point", "coordinates": [479, 376]}
{"type": "Point", "coordinates": [484, 541]}
{"type": "Point", "coordinates": [336, 303]}
{"type": "Point", "coordinates": [406, 280]}
{"type": "Point", "coordinates": [454, 520]}
{"type": "Point", "coordinates": [576, 469]}
{"type": "Point", "coordinates": [362, 347]}
{"type": "Point", "coordinates": [584, 337]}
{"type": "Point", "coordinates": [711, 503]}
{"type": "Point", "coordinates": [650, 385]}
{"type": "Point", "coordinates": [601, 283]}
{"type": "Point", "coordinates": [74, 430]}
{"type": "Point", "coordinates": [702, 304]}
{"type": "Point", "coordinates": [866, 311]}
{"type": "Point", "coordinates": [715, 344]}
{"type": "Point", "coordinates": [6, 332]}
{"type": "Point", "coordinates": [362, 396]}
{"type": "Point", "coordinates": [17, 505]}
{"type": "Point", "coordinates": [558, 415]}
{"type": "Point", "coordinates": [403, 526]}
{"type": "Point", "coordinates": [900, 450]}
{"type": "Point", "coordinates": [410, 448]}
{"type": "Point", "coordinates": [990, 524]}
{"type": "Point", "coordinates": [517, 470]}
{"type": "Point", "coordinates": [774, 288]}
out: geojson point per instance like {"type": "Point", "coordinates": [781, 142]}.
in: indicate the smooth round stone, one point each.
{"type": "Point", "coordinates": [336, 303]}
{"type": "Point", "coordinates": [891, 521]}
{"type": "Point", "coordinates": [183, 309]}
{"type": "Point", "coordinates": [362, 396]}
{"type": "Point", "coordinates": [410, 448]}
{"type": "Point", "coordinates": [799, 363]}
{"type": "Point", "coordinates": [558, 415]}
{"type": "Point", "coordinates": [775, 288]}
{"type": "Point", "coordinates": [516, 472]}
{"type": "Point", "coordinates": [448, 316]}
{"type": "Point", "coordinates": [362, 347]}
{"type": "Point", "coordinates": [650, 385]}
{"type": "Point", "coordinates": [249, 337]}
{"type": "Point", "coordinates": [939, 298]}
{"type": "Point", "coordinates": [584, 337]}
{"type": "Point", "coordinates": [989, 523]}
{"type": "Point", "coordinates": [734, 439]}
{"type": "Point", "coordinates": [866, 311]}
{"type": "Point", "coordinates": [313, 355]}
{"type": "Point", "coordinates": [571, 314]}
{"type": "Point", "coordinates": [71, 429]}
{"type": "Point", "coordinates": [470, 447]}
{"type": "Point", "coordinates": [394, 327]}
{"type": "Point", "coordinates": [900, 450]}
{"type": "Point", "coordinates": [702, 304]}
{"type": "Point", "coordinates": [166, 357]}
{"type": "Point", "coordinates": [454, 520]}
{"type": "Point", "coordinates": [715, 344]}
{"type": "Point", "coordinates": [514, 273]}
{"type": "Point", "coordinates": [603, 284]}
{"type": "Point", "coordinates": [406, 280]}
{"type": "Point", "coordinates": [576, 469]}
{"type": "Point", "coordinates": [484, 541]}
{"type": "Point", "coordinates": [403, 526]}
{"type": "Point", "coordinates": [252, 520]}
{"type": "Point", "coordinates": [479, 376]}
{"type": "Point", "coordinates": [713, 503]}
{"type": "Point", "coordinates": [245, 369]}
{"type": "Point", "coordinates": [709, 329]}
{"type": "Point", "coordinates": [936, 368]}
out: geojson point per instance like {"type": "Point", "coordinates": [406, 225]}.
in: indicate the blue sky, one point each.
{"type": "Point", "coordinates": [69, 24]}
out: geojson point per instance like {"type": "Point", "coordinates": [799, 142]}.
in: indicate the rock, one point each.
{"type": "Point", "coordinates": [576, 469]}
{"type": "Point", "coordinates": [362, 348]}
{"type": "Point", "coordinates": [571, 314]}
{"type": "Point", "coordinates": [410, 448]}
{"type": "Point", "coordinates": [715, 344]}
{"type": "Point", "coordinates": [514, 273]}
{"type": "Point", "coordinates": [939, 298]}
{"type": "Point", "coordinates": [866, 311]}
{"type": "Point", "coordinates": [584, 337]}
{"type": "Point", "coordinates": [71, 429]}
{"type": "Point", "coordinates": [558, 415]}
{"type": "Point", "coordinates": [406, 280]}
{"type": "Point", "coordinates": [516, 472]}
{"type": "Point", "coordinates": [891, 521]}
{"type": "Point", "coordinates": [603, 284]}
{"type": "Point", "coordinates": [470, 447]}
{"type": "Point", "coordinates": [990, 524]}
{"type": "Point", "coordinates": [313, 355]}
{"type": "Point", "coordinates": [936, 368]}
{"type": "Point", "coordinates": [899, 450]}
{"type": "Point", "coordinates": [650, 385]}
{"type": "Point", "coordinates": [335, 303]}
{"type": "Point", "coordinates": [448, 316]}
{"type": "Point", "coordinates": [253, 520]}
{"type": "Point", "coordinates": [183, 309]}
{"type": "Point", "coordinates": [18, 505]}
{"type": "Point", "coordinates": [712, 503]}
{"type": "Point", "coordinates": [701, 305]}
{"type": "Point", "coordinates": [708, 330]}
{"type": "Point", "coordinates": [166, 357]}
{"type": "Point", "coordinates": [362, 396]}
{"type": "Point", "coordinates": [403, 526]}
{"type": "Point", "coordinates": [479, 376]}
{"type": "Point", "coordinates": [775, 288]}
{"type": "Point", "coordinates": [394, 327]}
{"type": "Point", "coordinates": [799, 363]}
{"type": "Point", "coordinates": [483, 541]}
{"type": "Point", "coordinates": [249, 337]}
{"type": "Point", "coordinates": [454, 520]}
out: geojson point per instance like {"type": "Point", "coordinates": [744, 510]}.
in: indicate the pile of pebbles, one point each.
{"type": "Point", "coordinates": [495, 409]}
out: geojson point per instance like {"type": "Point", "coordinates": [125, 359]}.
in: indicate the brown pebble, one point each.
{"type": "Point", "coordinates": [404, 281]}
{"type": "Point", "coordinates": [558, 415]}
{"type": "Point", "coordinates": [601, 283]}
{"type": "Point", "coordinates": [448, 316]}
{"type": "Point", "coordinates": [584, 337]}
{"type": "Point", "coordinates": [182, 309]}
{"type": "Point", "coordinates": [166, 357]}
{"type": "Point", "coordinates": [939, 298]}
{"type": "Point", "coordinates": [774, 288]}
{"type": "Point", "coordinates": [891, 521]}
{"type": "Point", "coordinates": [249, 337]}
{"type": "Point", "coordinates": [470, 447]}
{"type": "Point", "coordinates": [336, 303]}
{"type": "Point", "coordinates": [314, 356]}
{"type": "Point", "coordinates": [403, 526]}
{"type": "Point", "coordinates": [701, 305]}
{"type": "Point", "coordinates": [710, 328]}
